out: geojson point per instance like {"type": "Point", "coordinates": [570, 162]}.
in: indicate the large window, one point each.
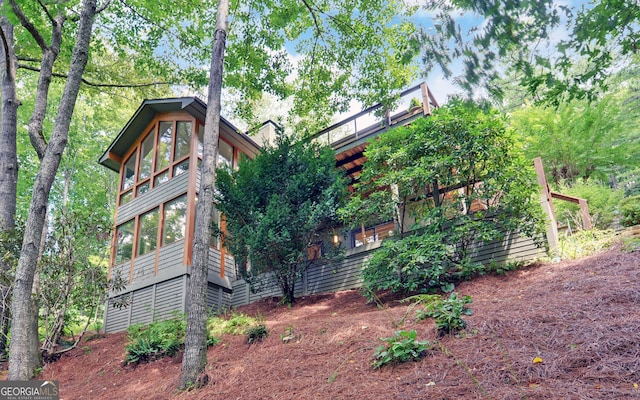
{"type": "Point", "coordinates": [175, 218]}
{"type": "Point", "coordinates": [148, 232]}
{"type": "Point", "coordinates": [360, 237]}
{"type": "Point", "coordinates": [124, 242]}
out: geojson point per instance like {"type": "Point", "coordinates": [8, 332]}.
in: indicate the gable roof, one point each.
{"type": "Point", "coordinates": [149, 109]}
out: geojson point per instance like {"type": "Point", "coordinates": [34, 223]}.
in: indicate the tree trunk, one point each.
{"type": "Point", "coordinates": [8, 161]}
{"type": "Point", "coordinates": [21, 365]}
{"type": "Point", "coordinates": [194, 359]}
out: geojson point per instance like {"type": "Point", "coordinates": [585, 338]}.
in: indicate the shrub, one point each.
{"type": "Point", "coordinates": [256, 333]}
{"type": "Point", "coordinates": [447, 313]}
{"type": "Point", "coordinates": [630, 211]}
{"type": "Point", "coordinates": [235, 324]}
{"type": "Point", "coordinates": [158, 339]}
{"type": "Point", "coordinates": [403, 346]}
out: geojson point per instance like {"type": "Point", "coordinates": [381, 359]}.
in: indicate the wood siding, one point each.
{"type": "Point", "coordinates": [346, 275]}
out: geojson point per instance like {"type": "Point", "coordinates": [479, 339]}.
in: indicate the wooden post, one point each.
{"type": "Point", "coordinates": [547, 205]}
{"type": "Point", "coordinates": [426, 106]}
{"type": "Point", "coordinates": [584, 213]}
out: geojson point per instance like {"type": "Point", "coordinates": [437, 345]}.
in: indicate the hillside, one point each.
{"type": "Point", "coordinates": [581, 317]}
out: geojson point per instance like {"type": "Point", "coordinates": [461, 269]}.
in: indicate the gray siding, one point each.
{"type": "Point", "coordinates": [116, 319]}
{"type": "Point", "coordinates": [170, 297]}
{"type": "Point", "coordinates": [154, 197]}
{"type": "Point", "coordinates": [170, 258]}
{"type": "Point", "coordinates": [346, 275]}
{"type": "Point", "coordinates": [144, 268]}
{"type": "Point", "coordinates": [218, 298]}
{"type": "Point", "coordinates": [142, 306]}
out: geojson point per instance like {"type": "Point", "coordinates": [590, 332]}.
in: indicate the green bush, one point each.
{"type": "Point", "coordinates": [630, 211]}
{"type": "Point", "coordinates": [256, 333]}
{"type": "Point", "coordinates": [602, 200]}
{"type": "Point", "coordinates": [234, 324]}
{"type": "Point", "coordinates": [403, 346]}
{"type": "Point", "coordinates": [158, 339]}
{"type": "Point", "coordinates": [447, 313]}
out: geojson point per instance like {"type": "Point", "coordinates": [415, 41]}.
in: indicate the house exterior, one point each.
{"type": "Point", "coordinates": [156, 155]}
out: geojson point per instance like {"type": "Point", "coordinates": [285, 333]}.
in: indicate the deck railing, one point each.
{"type": "Point", "coordinates": [376, 117]}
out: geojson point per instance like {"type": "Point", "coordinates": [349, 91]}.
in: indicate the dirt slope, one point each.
{"type": "Point", "coordinates": [582, 318]}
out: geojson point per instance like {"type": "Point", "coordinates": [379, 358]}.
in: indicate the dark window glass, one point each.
{"type": "Point", "coordinates": [129, 172]}
{"type": "Point", "coordinates": [180, 168]}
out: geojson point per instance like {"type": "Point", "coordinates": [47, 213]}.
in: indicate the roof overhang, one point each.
{"type": "Point", "coordinates": [113, 157]}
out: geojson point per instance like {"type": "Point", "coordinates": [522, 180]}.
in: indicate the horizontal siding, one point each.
{"type": "Point", "coordinates": [142, 306]}
{"type": "Point", "coordinates": [116, 319]}
{"type": "Point", "coordinates": [214, 262]}
{"type": "Point", "coordinates": [170, 257]}
{"type": "Point", "coordinates": [154, 197]}
{"type": "Point", "coordinates": [332, 278]}
{"type": "Point", "coordinates": [240, 293]}
{"type": "Point", "coordinates": [144, 268]}
{"type": "Point", "coordinates": [169, 298]}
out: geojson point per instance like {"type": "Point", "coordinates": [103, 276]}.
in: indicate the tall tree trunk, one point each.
{"type": "Point", "coordinates": [21, 365]}
{"type": "Point", "coordinates": [8, 161]}
{"type": "Point", "coordinates": [194, 359]}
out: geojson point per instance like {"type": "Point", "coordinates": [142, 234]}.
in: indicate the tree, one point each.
{"type": "Point", "coordinates": [23, 356]}
{"type": "Point", "coordinates": [194, 359]}
{"type": "Point", "coordinates": [278, 206]}
{"type": "Point", "coordinates": [527, 36]}
{"type": "Point", "coordinates": [8, 164]}
{"type": "Point", "coordinates": [450, 182]}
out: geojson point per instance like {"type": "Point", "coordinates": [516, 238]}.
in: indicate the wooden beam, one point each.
{"type": "Point", "coordinates": [426, 107]}
{"type": "Point", "coordinates": [114, 157]}
{"type": "Point", "coordinates": [546, 203]}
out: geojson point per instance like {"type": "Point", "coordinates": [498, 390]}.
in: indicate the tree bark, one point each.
{"type": "Point", "coordinates": [21, 365]}
{"type": "Point", "coordinates": [194, 359]}
{"type": "Point", "coordinates": [8, 161]}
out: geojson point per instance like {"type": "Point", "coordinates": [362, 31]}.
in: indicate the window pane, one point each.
{"type": "Point", "coordinates": [129, 172]}
{"type": "Point", "coordinates": [126, 197]}
{"type": "Point", "coordinates": [148, 234]}
{"type": "Point", "coordinates": [163, 177]}
{"type": "Point", "coordinates": [359, 239]}
{"type": "Point", "coordinates": [124, 242]}
{"type": "Point", "coordinates": [164, 145]}
{"type": "Point", "coordinates": [180, 168]}
{"type": "Point", "coordinates": [143, 188]}
{"type": "Point", "coordinates": [146, 157]}
{"type": "Point", "coordinates": [225, 154]}
{"type": "Point", "coordinates": [175, 219]}
{"type": "Point", "coordinates": [183, 135]}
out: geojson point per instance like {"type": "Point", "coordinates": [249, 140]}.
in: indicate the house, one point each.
{"type": "Point", "coordinates": [157, 154]}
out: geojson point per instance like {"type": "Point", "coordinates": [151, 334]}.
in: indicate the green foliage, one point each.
{"type": "Point", "coordinates": [604, 204]}
{"type": "Point", "coordinates": [158, 339]}
{"type": "Point", "coordinates": [459, 180]}
{"type": "Point", "coordinates": [584, 243]}
{"type": "Point", "coordinates": [600, 40]}
{"type": "Point", "coordinates": [256, 333]}
{"type": "Point", "coordinates": [630, 211]}
{"type": "Point", "coordinates": [234, 324]}
{"type": "Point", "coordinates": [278, 205]}
{"type": "Point", "coordinates": [447, 313]}
{"type": "Point", "coordinates": [403, 346]}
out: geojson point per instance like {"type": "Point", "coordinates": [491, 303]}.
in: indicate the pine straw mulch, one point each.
{"type": "Point", "coordinates": [582, 318]}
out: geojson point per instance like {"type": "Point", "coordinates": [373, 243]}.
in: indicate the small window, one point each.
{"type": "Point", "coordinates": [126, 197]}
{"type": "Point", "coordinates": [143, 188]}
{"type": "Point", "coordinates": [161, 178]}
{"type": "Point", "coordinates": [129, 172]}
{"type": "Point", "coordinates": [124, 242]}
{"type": "Point", "coordinates": [183, 137]}
{"type": "Point", "coordinates": [148, 232]}
{"type": "Point", "coordinates": [146, 157]}
{"type": "Point", "coordinates": [164, 145]}
{"type": "Point", "coordinates": [175, 220]}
